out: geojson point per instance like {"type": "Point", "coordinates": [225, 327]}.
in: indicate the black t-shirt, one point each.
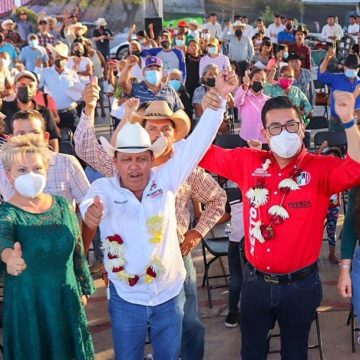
{"type": "Point", "coordinates": [9, 108]}
{"type": "Point", "coordinates": [102, 45]}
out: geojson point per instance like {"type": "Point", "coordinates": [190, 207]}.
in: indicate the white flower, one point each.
{"type": "Point", "coordinates": [116, 263]}
{"type": "Point", "coordinates": [289, 183]}
{"type": "Point", "coordinates": [279, 211]}
{"type": "Point", "coordinates": [266, 164]}
{"type": "Point", "coordinates": [256, 232]}
{"type": "Point", "coordinates": [157, 266]}
{"type": "Point", "coordinates": [258, 196]}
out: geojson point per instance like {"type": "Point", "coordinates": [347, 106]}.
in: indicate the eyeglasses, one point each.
{"type": "Point", "coordinates": [290, 127]}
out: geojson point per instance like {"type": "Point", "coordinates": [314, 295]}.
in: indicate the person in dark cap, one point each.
{"type": "Point", "coordinates": [299, 47]}
{"type": "Point", "coordinates": [302, 77]}
{"type": "Point", "coordinates": [347, 81]}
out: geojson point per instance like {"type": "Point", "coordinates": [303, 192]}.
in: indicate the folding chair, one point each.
{"type": "Point", "coordinates": [318, 123]}
{"type": "Point", "coordinates": [355, 331]}
{"type": "Point", "coordinates": [218, 248]}
{"type": "Point", "coordinates": [319, 344]}
{"type": "Point", "coordinates": [337, 139]}
{"type": "Point", "coordinates": [322, 96]}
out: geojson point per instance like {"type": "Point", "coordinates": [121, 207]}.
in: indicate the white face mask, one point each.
{"type": "Point", "coordinates": [30, 185]}
{"type": "Point", "coordinates": [285, 144]}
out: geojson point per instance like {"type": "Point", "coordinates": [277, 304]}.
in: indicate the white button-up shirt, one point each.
{"type": "Point", "coordinates": [65, 88]}
{"type": "Point", "coordinates": [334, 30]}
{"type": "Point", "coordinates": [126, 216]}
{"type": "Point", "coordinates": [274, 32]}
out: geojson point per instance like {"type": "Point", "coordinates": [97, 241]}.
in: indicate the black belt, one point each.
{"type": "Point", "coordinates": [276, 279]}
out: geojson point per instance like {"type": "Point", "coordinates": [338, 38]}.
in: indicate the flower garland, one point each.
{"type": "Point", "coordinates": [115, 247]}
{"type": "Point", "coordinates": [259, 196]}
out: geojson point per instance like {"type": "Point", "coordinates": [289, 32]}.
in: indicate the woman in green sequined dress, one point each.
{"type": "Point", "coordinates": [47, 279]}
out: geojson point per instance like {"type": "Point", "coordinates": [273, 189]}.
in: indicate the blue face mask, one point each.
{"type": "Point", "coordinates": [153, 77]}
{"type": "Point", "coordinates": [212, 50]}
{"type": "Point", "coordinates": [179, 42]}
{"type": "Point", "coordinates": [285, 55]}
{"type": "Point", "coordinates": [175, 84]}
{"type": "Point", "coordinates": [351, 73]}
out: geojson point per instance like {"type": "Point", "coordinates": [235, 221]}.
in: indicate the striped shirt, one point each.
{"type": "Point", "coordinates": [222, 61]}
{"type": "Point", "coordinates": [240, 50]}
{"type": "Point", "coordinates": [167, 93]}
{"type": "Point", "coordinates": [65, 177]}
{"type": "Point", "coordinates": [199, 185]}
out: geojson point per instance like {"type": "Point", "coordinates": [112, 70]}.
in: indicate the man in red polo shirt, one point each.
{"type": "Point", "coordinates": [300, 48]}
{"type": "Point", "coordinates": [286, 194]}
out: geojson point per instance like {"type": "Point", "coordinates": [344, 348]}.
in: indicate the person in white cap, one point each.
{"type": "Point", "coordinates": [102, 36]}
{"type": "Point", "coordinates": [136, 209]}
{"type": "Point", "coordinates": [63, 85]}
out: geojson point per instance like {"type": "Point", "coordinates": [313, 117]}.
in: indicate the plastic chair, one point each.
{"type": "Point", "coordinates": [322, 96]}
{"type": "Point", "coordinates": [319, 344]}
{"type": "Point", "coordinates": [317, 123]}
{"type": "Point", "coordinates": [218, 248]}
{"type": "Point", "coordinates": [337, 139]}
{"type": "Point", "coordinates": [353, 328]}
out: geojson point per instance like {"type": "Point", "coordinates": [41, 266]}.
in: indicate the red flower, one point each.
{"type": "Point", "coordinates": [267, 231]}
{"type": "Point", "coordinates": [260, 182]}
{"type": "Point", "coordinates": [112, 256]}
{"type": "Point", "coordinates": [133, 280]}
{"type": "Point", "coordinates": [150, 271]}
{"type": "Point", "coordinates": [117, 238]}
{"type": "Point", "coordinates": [277, 220]}
{"type": "Point", "coordinates": [285, 190]}
{"type": "Point", "coordinates": [117, 269]}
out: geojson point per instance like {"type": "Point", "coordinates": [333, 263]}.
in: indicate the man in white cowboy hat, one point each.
{"type": "Point", "coordinates": [241, 48]}
{"type": "Point", "coordinates": [102, 36]}
{"type": "Point", "coordinates": [10, 35]}
{"type": "Point", "coordinates": [194, 30]}
{"type": "Point", "coordinates": [131, 285]}
{"type": "Point", "coordinates": [75, 32]}
{"type": "Point", "coordinates": [199, 185]}
{"type": "Point", "coordinates": [63, 85]}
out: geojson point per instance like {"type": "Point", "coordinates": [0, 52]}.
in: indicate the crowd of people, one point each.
{"type": "Point", "coordinates": [147, 197]}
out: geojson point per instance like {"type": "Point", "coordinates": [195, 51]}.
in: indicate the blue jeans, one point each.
{"type": "Point", "coordinates": [331, 221]}
{"type": "Point", "coordinates": [292, 305]}
{"type": "Point", "coordinates": [192, 347]}
{"type": "Point", "coordinates": [131, 322]}
{"type": "Point", "coordinates": [355, 276]}
{"type": "Point", "coordinates": [235, 275]}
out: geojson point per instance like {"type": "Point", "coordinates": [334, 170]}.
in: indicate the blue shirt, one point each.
{"type": "Point", "coordinates": [285, 37]}
{"type": "Point", "coordinates": [338, 82]}
{"type": "Point", "coordinates": [6, 47]}
{"type": "Point", "coordinates": [29, 56]}
{"type": "Point", "coordinates": [167, 93]}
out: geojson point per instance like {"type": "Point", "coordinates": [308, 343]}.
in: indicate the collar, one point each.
{"type": "Point", "coordinates": [295, 161]}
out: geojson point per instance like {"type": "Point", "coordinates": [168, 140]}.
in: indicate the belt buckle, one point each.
{"type": "Point", "coordinates": [271, 279]}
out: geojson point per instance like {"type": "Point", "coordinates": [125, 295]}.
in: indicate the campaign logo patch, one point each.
{"type": "Point", "coordinates": [303, 179]}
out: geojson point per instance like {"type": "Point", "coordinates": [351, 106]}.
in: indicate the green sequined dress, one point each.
{"type": "Point", "coordinates": [43, 315]}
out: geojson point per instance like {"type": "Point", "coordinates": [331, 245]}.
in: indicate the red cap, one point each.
{"type": "Point", "coordinates": [183, 23]}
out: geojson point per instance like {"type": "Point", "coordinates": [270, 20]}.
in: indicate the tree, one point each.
{"type": "Point", "coordinates": [282, 7]}
{"type": "Point", "coordinates": [130, 7]}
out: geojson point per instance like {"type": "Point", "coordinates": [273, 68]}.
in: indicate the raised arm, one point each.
{"type": "Point", "coordinates": [125, 74]}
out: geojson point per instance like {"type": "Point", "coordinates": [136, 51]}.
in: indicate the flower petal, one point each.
{"type": "Point", "coordinates": [289, 183]}
{"type": "Point", "coordinates": [258, 196]}
{"type": "Point", "coordinates": [280, 211]}
{"type": "Point", "coordinates": [256, 232]}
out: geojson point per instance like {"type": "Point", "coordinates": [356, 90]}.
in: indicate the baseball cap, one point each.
{"type": "Point", "coordinates": [27, 74]}
{"type": "Point", "coordinates": [153, 61]}
{"type": "Point", "coordinates": [183, 23]}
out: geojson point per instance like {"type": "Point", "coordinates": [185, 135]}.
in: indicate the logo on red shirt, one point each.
{"type": "Point", "coordinates": [304, 178]}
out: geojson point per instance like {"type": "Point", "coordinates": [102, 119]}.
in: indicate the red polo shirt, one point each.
{"type": "Point", "coordinates": [297, 241]}
{"type": "Point", "coordinates": [304, 52]}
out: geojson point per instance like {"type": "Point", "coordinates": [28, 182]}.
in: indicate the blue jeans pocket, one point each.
{"type": "Point", "coordinates": [310, 282]}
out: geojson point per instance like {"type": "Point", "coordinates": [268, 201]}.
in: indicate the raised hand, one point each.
{"type": "Point", "coordinates": [344, 105]}
{"type": "Point", "coordinates": [246, 80]}
{"type": "Point", "coordinates": [94, 213]}
{"type": "Point", "coordinates": [212, 100]}
{"type": "Point", "coordinates": [226, 82]}
{"type": "Point", "coordinates": [91, 95]}
{"type": "Point", "coordinates": [132, 104]}
{"type": "Point", "coordinates": [330, 53]}
{"type": "Point", "coordinates": [131, 61]}
{"type": "Point", "coordinates": [15, 264]}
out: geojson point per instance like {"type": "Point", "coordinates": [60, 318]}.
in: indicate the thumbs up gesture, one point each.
{"type": "Point", "coordinates": [94, 213]}
{"type": "Point", "coordinates": [15, 264]}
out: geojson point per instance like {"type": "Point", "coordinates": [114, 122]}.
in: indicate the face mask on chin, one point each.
{"type": "Point", "coordinates": [286, 144]}
{"type": "Point", "coordinates": [30, 185]}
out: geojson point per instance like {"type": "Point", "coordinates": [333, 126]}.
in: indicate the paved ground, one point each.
{"type": "Point", "coordinates": [225, 343]}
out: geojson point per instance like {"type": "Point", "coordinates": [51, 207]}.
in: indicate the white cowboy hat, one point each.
{"type": "Point", "coordinates": [195, 23]}
{"type": "Point", "coordinates": [101, 22]}
{"type": "Point", "coordinates": [78, 25]}
{"type": "Point", "coordinates": [7, 22]}
{"type": "Point", "coordinates": [160, 110]}
{"type": "Point", "coordinates": [61, 49]}
{"type": "Point", "coordinates": [133, 139]}
{"type": "Point", "coordinates": [239, 23]}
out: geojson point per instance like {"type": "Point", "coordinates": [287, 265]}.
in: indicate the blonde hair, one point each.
{"type": "Point", "coordinates": [21, 145]}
